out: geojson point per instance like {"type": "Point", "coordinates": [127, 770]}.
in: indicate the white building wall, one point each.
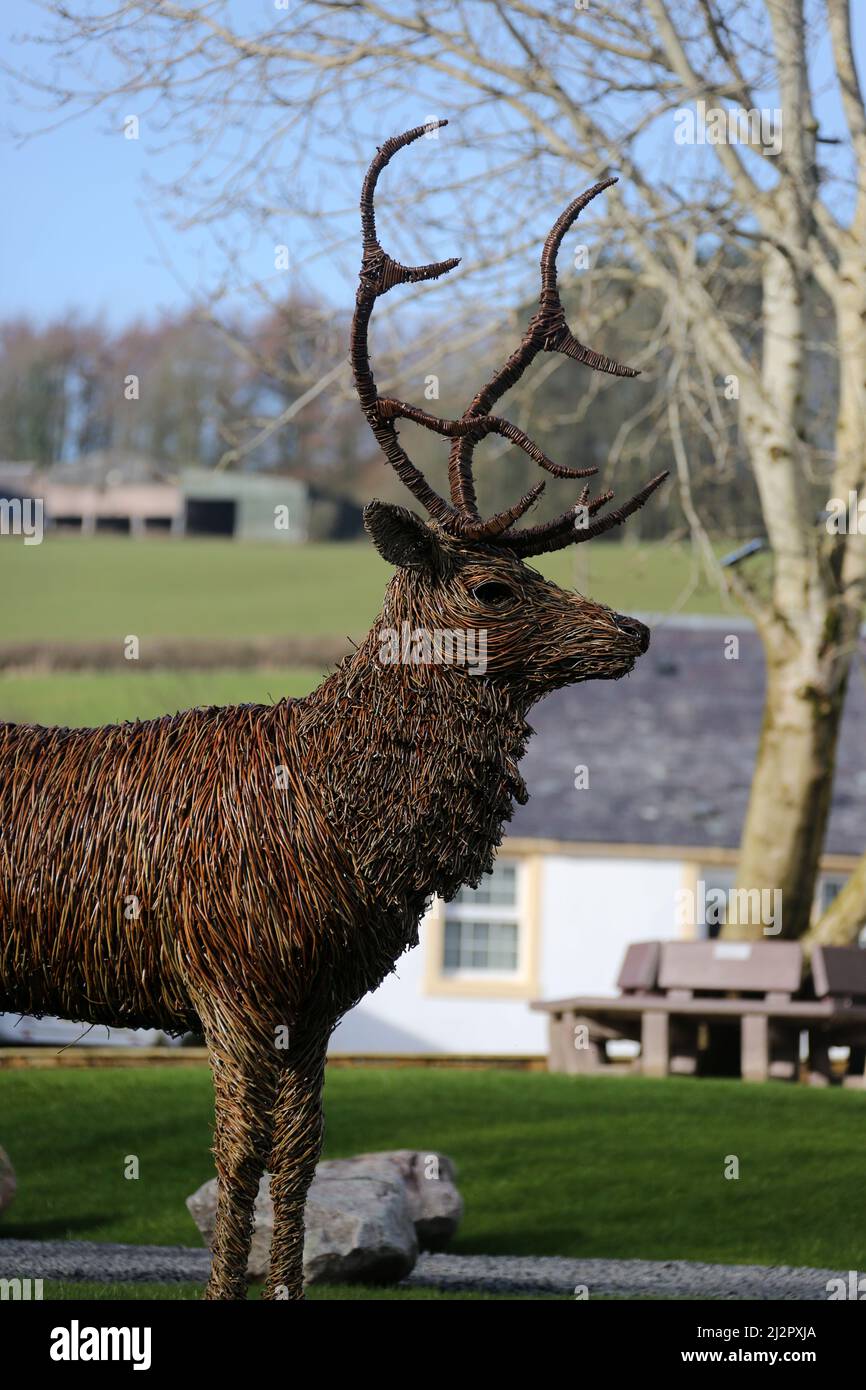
{"type": "Point", "coordinates": [401, 1017]}
{"type": "Point", "coordinates": [588, 912]}
{"type": "Point", "coordinates": [592, 909]}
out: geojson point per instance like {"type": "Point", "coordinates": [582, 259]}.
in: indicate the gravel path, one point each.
{"type": "Point", "coordinates": [81, 1261]}
{"type": "Point", "coordinates": [631, 1278]}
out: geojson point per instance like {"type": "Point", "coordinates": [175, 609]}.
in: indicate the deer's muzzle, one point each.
{"type": "Point", "coordinates": [633, 628]}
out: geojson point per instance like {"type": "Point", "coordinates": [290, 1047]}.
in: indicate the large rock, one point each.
{"type": "Point", "coordinates": [365, 1217]}
{"type": "Point", "coordinates": [358, 1228]}
{"type": "Point", "coordinates": [435, 1205]}
{"type": "Point", "coordinates": [7, 1180]}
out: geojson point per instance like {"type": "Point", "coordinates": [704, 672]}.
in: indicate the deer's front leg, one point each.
{"type": "Point", "coordinates": [298, 1129]}
{"type": "Point", "coordinates": [244, 1078]}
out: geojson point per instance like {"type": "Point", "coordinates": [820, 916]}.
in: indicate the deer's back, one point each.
{"type": "Point", "coordinates": [135, 860]}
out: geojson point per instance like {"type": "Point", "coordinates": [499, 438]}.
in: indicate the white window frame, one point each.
{"type": "Point", "coordinates": [508, 914]}
{"type": "Point", "coordinates": [520, 983]}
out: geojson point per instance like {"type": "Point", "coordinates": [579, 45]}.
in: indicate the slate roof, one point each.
{"type": "Point", "coordinates": [670, 749]}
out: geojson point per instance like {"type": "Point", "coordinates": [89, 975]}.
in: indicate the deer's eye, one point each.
{"type": "Point", "coordinates": [492, 593]}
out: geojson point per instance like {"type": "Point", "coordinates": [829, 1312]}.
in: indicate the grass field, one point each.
{"type": "Point", "coordinates": [89, 698]}
{"type": "Point", "coordinates": [74, 589]}
{"type": "Point", "coordinates": [549, 1165]}
{"type": "Point", "coordinates": [102, 589]}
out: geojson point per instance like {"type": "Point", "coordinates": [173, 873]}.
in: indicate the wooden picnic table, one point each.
{"type": "Point", "coordinates": [709, 983]}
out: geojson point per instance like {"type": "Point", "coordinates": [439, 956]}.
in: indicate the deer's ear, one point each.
{"type": "Point", "coordinates": [401, 537]}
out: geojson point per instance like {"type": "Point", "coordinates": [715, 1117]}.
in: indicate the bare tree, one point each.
{"type": "Point", "coordinates": [713, 115]}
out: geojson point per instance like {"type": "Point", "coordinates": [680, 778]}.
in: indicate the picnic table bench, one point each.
{"type": "Point", "coordinates": [675, 995]}
{"type": "Point", "coordinates": [838, 982]}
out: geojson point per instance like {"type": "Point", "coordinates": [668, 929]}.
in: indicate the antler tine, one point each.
{"type": "Point", "coordinates": [380, 273]}
{"type": "Point", "coordinates": [479, 427]}
{"type": "Point", "coordinates": [559, 337]}
{"type": "Point", "coordinates": [399, 274]}
{"type": "Point", "coordinates": [561, 532]}
{"type": "Point", "coordinates": [562, 524]}
{"type": "Point", "coordinates": [547, 331]}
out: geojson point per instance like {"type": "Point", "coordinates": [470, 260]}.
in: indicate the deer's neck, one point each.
{"type": "Point", "coordinates": [417, 766]}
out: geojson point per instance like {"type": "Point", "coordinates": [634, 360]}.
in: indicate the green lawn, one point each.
{"type": "Point", "coordinates": [317, 1293]}
{"type": "Point", "coordinates": [74, 589]}
{"type": "Point", "coordinates": [107, 697]}
{"type": "Point", "coordinates": [549, 1165]}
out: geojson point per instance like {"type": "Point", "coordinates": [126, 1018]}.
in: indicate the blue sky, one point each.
{"type": "Point", "coordinates": [78, 233]}
{"type": "Point", "coordinates": [82, 231]}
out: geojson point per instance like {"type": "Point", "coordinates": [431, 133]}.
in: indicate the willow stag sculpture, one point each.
{"type": "Point", "coordinates": [281, 857]}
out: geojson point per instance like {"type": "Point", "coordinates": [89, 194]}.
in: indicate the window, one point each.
{"type": "Point", "coordinates": [485, 943]}
{"type": "Point", "coordinates": [829, 887]}
{"type": "Point", "coordinates": [482, 926]}
{"type": "Point", "coordinates": [716, 884]}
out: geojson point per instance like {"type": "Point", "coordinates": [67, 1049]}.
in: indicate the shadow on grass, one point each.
{"type": "Point", "coordinates": [56, 1228]}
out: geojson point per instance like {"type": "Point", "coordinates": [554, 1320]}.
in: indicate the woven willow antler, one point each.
{"type": "Point", "coordinates": [547, 331]}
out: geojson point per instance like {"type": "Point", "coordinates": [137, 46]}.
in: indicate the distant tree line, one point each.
{"type": "Point", "coordinates": [272, 395]}
{"type": "Point", "coordinates": [180, 389]}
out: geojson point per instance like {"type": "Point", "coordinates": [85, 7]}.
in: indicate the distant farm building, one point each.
{"type": "Point", "coordinates": [127, 493]}
{"type": "Point", "coordinates": [244, 505]}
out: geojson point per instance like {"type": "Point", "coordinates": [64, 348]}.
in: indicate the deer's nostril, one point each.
{"type": "Point", "coordinates": [634, 629]}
